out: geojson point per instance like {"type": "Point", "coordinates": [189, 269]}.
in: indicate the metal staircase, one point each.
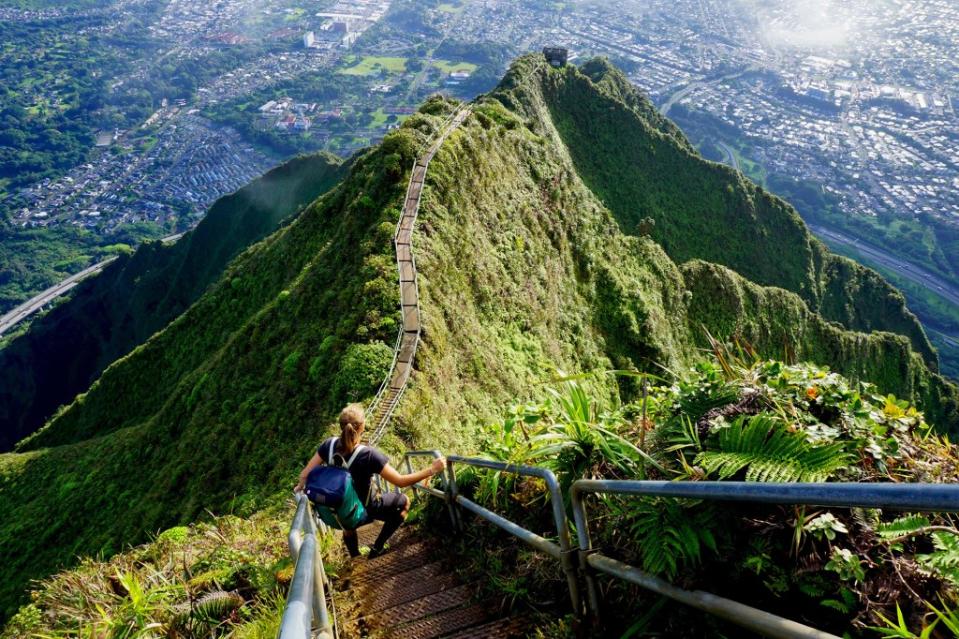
{"type": "Point", "coordinates": [412, 592]}
{"type": "Point", "coordinates": [388, 397]}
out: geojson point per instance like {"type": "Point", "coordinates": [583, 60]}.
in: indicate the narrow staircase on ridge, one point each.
{"type": "Point", "coordinates": [388, 397]}
{"type": "Point", "coordinates": [412, 592]}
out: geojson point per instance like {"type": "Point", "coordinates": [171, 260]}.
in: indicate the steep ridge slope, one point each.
{"type": "Point", "coordinates": [216, 410]}
{"type": "Point", "coordinates": [645, 171]}
{"type": "Point", "coordinates": [522, 271]}
{"type": "Point", "coordinates": [108, 316]}
{"type": "Point", "coordinates": [546, 278]}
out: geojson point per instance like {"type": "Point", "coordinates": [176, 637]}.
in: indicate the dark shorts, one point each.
{"type": "Point", "coordinates": [385, 507]}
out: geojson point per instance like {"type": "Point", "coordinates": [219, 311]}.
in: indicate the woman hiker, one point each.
{"type": "Point", "coordinates": [390, 508]}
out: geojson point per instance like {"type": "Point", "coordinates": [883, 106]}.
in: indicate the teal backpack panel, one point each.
{"type": "Point", "coordinates": [330, 488]}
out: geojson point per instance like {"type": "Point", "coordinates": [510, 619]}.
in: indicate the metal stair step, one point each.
{"type": "Point", "coordinates": [394, 561]}
{"type": "Point", "coordinates": [402, 537]}
{"type": "Point", "coordinates": [507, 628]}
{"type": "Point", "coordinates": [403, 592]}
{"type": "Point", "coordinates": [420, 572]}
{"type": "Point", "coordinates": [442, 623]}
{"type": "Point", "coordinates": [424, 606]}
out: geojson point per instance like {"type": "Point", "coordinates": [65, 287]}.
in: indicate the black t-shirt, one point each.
{"type": "Point", "coordinates": [368, 462]}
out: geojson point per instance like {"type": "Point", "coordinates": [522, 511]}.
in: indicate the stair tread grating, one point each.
{"type": "Point", "coordinates": [399, 579]}
{"type": "Point", "coordinates": [424, 606]}
{"type": "Point", "coordinates": [395, 561]}
{"type": "Point", "coordinates": [442, 623]}
{"type": "Point", "coordinates": [375, 601]}
{"type": "Point", "coordinates": [506, 628]}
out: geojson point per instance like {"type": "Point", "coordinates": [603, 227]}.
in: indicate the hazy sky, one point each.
{"type": "Point", "coordinates": [813, 24]}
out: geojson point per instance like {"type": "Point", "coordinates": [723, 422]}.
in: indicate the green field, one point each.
{"type": "Point", "coordinates": [449, 67]}
{"type": "Point", "coordinates": [449, 7]}
{"type": "Point", "coordinates": [373, 65]}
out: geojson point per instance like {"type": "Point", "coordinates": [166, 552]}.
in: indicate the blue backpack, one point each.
{"type": "Point", "coordinates": [330, 488]}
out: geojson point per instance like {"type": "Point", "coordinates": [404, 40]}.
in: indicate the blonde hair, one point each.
{"type": "Point", "coordinates": [352, 420]}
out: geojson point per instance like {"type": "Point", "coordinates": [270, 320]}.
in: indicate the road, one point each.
{"type": "Point", "coordinates": [909, 271]}
{"type": "Point", "coordinates": [33, 305]}
{"type": "Point", "coordinates": [682, 93]}
{"type": "Point", "coordinates": [733, 160]}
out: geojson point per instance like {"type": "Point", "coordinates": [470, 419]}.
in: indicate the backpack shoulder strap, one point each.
{"type": "Point", "coordinates": [356, 451]}
{"type": "Point", "coordinates": [329, 455]}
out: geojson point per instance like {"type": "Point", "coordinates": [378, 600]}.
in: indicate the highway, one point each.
{"type": "Point", "coordinates": [33, 305]}
{"type": "Point", "coordinates": [682, 93]}
{"type": "Point", "coordinates": [909, 271]}
{"type": "Point", "coordinates": [733, 162]}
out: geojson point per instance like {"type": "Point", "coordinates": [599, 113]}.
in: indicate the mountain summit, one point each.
{"type": "Point", "coordinates": [564, 226]}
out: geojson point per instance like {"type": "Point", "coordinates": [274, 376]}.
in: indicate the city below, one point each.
{"type": "Point", "coordinates": [846, 111]}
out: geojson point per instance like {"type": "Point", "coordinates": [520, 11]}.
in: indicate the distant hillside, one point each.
{"type": "Point", "coordinates": [643, 169]}
{"type": "Point", "coordinates": [524, 271]}
{"type": "Point", "coordinates": [108, 316]}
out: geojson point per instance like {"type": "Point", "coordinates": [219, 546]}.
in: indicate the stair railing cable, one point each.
{"type": "Point", "coordinates": [394, 385]}
{"type": "Point", "coordinates": [305, 615]}
{"type": "Point", "coordinates": [591, 563]}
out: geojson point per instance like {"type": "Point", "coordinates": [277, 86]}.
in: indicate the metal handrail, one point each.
{"type": "Point", "coordinates": [913, 497]}
{"type": "Point", "coordinates": [306, 603]}
{"type": "Point", "coordinates": [562, 551]}
{"type": "Point", "coordinates": [441, 494]}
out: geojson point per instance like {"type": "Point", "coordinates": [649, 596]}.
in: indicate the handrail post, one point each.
{"type": "Point", "coordinates": [443, 494]}
{"type": "Point", "coordinates": [559, 516]}
{"type": "Point", "coordinates": [585, 547]}
{"type": "Point", "coordinates": [561, 551]}
{"type": "Point", "coordinates": [454, 497]}
{"type": "Point", "coordinates": [449, 483]}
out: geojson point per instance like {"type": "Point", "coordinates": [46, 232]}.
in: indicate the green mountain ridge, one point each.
{"type": "Point", "coordinates": [108, 316]}
{"type": "Point", "coordinates": [524, 270]}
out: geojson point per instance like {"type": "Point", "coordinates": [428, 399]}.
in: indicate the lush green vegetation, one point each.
{"type": "Point", "coordinates": [925, 241]}
{"type": "Point", "coordinates": [35, 259]}
{"type": "Point", "coordinates": [450, 67]}
{"type": "Point", "coordinates": [223, 578]}
{"type": "Point", "coordinates": [247, 376]}
{"type": "Point", "coordinates": [110, 315]}
{"type": "Point", "coordinates": [646, 172]}
{"type": "Point", "coordinates": [737, 417]}
{"type": "Point", "coordinates": [939, 316]}
{"type": "Point", "coordinates": [523, 271]}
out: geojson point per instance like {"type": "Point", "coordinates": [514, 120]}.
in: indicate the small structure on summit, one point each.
{"type": "Point", "coordinates": [556, 56]}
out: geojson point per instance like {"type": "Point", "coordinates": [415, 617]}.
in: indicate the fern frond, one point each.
{"type": "Point", "coordinates": [770, 453]}
{"type": "Point", "coordinates": [670, 534]}
{"type": "Point", "coordinates": [945, 560]}
{"type": "Point", "coordinates": [902, 526]}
